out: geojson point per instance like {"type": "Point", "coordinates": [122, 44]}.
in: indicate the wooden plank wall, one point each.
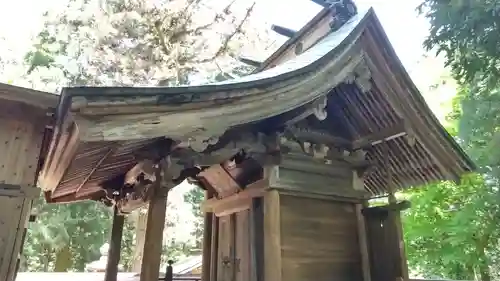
{"type": "Point", "coordinates": [318, 240]}
{"type": "Point", "coordinates": [19, 149]}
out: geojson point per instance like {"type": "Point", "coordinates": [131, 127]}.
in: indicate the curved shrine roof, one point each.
{"type": "Point", "coordinates": [370, 99]}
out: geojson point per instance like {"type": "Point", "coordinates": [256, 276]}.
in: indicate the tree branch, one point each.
{"type": "Point", "coordinates": [225, 43]}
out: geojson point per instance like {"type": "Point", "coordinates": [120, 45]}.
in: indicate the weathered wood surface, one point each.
{"type": "Point", "coordinates": [153, 241]}
{"type": "Point", "coordinates": [207, 261]}
{"type": "Point", "coordinates": [233, 258]}
{"type": "Point", "coordinates": [115, 245]}
{"type": "Point", "coordinates": [306, 176]}
{"type": "Point", "coordinates": [225, 255]}
{"type": "Point", "coordinates": [384, 236]}
{"type": "Point", "coordinates": [20, 145]}
{"type": "Point", "coordinates": [319, 240]}
{"type": "Point", "coordinates": [272, 237]}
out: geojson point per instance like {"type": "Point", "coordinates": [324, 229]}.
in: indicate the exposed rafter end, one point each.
{"type": "Point", "coordinates": [250, 62]}
{"type": "Point", "coordinates": [283, 31]}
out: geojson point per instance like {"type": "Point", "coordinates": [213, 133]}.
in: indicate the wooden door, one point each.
{"type": "Point", "coordinates": [234, 262]}
{"type": "Point", "coordinates": [225, 256]}
{"type": "Point", "coordinates": [243, 260]}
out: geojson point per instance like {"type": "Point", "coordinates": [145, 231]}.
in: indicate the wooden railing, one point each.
{"type": "Point", "coordinates": [186, 278]}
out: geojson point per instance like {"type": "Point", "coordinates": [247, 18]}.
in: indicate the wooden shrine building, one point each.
{"type": "Point", "coordinates": [24, 132]}
{"type": "Point", "coordinates": [288, 156]}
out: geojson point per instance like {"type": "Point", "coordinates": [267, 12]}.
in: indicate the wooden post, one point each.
{"type": "Point", "coordinates": [207, 244]}
{"type": "Point", "coordinates": [214, 251]}
{"type": "Point", "coordinates": [169, 274]}
{"type": "Point", "coordinates": [394, 224]}
{"type": "Point", "coordinates": [114, 247]}
{"type": "Point", "coordinates": [153, 245]}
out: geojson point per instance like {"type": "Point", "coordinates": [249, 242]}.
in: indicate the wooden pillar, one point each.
{"type": "Point", "coordinates": [169, 273]}
{"type": "Point", "coordinates": [207, 244]}
{"type": "Point", "coordinates": [214, 250]}
{"type": "Point", "coordinates": [114, 246]}
{"type": "Point", "coordinates": [153, 245]}
{"type": "Point", "coordinates": [393, 224]}
{"type": "Point", "coordinates": [398, 249]}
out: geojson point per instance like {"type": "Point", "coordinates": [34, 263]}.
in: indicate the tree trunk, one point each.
{"type": "Point", "coordinates": [63, 259]}
{"type": "Point", "coordinates": [484, 269]}
{"type": "Point", "coordinates": [140, 234]}
{"type": "Point", "coordinates": [48, 254]}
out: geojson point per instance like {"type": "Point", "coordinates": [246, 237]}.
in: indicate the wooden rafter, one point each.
{"type": "Point", "coordinates": [287, 32]}
{"type": "Point", "coordinates": [250, 62]}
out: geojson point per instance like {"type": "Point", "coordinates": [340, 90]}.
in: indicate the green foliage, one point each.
{"type": "Point", "coordinates": [467, 32]}
{"type": "Point", "coordinates": [451, 228]}
{"type": "Point", "coordinates": [74, 231]}
{"type": "Point", "coordinates": [194, 197]}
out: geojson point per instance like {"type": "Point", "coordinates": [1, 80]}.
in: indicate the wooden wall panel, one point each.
{"type": "Point", "coordinates": [19, 149]}
{"type": "Point", "coordinates": [319, 240]}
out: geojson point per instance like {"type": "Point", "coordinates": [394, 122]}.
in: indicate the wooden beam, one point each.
{"type": "Point", "coordinates": [232, 204]}
{"type": "Point", "coordinates": [114, 246]}
{"type": "Point", "coordinates": [283, 31]}
{"type": "Point", "coordinates": [385, 134]}
{"type": "Point", "coordinates": [250, 62]}
{"type": "Point", "coordinates": [219, 181]}
{"type": "Point", "coordinates": [383, 211]}
{"type": "Point", "coordinates": [150, 267]}
{"type": "Point", "coordinates": [316, 136]}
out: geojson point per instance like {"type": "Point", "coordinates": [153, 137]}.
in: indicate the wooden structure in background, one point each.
{"type": "Point", "coordinates": [24, 117]}
{"type": "Point", "coordinates": [288, 156]}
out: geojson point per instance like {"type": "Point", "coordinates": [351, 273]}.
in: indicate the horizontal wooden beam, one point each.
{"type": "Point", "coordinates": [315, 136]}
{"type": "Point", "coordinates": [385, 134]}
{"type": "Point", "coordinates": [234, 203]}
{"type": "Point", "coordinates": [383, 211]}
{"type": "Point", "coordinates": [283, 31]}
{"type": "Point", "coordinates": [250, 62]}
